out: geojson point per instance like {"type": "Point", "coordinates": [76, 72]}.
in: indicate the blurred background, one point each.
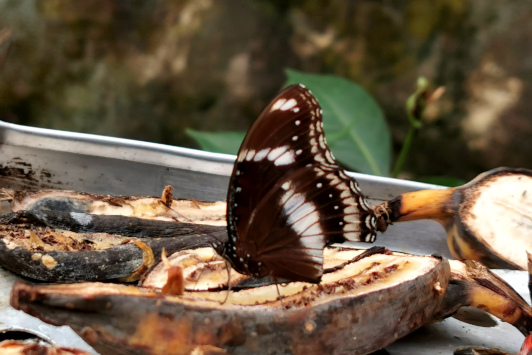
{"type": "Point", "coordinates": [150, 69]}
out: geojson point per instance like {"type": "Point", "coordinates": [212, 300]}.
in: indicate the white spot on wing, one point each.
{"type": "Point", "coordinates": [285, 159]}
{"type": "Point", "coordinates": [250, 154]}
{"type": "Point", "coordinates": [370, 221]}
{"type": "Point", "coordinates": [351, 209]}
{"type": "Point", "coordinates": [349, 218]}
{"type": "Point", "coordinates": [277, 104]}
{"type": "Point", "coordinates": [261, 154]}
{"type": "Point", "coordinates": [345, 192]}
{"type": "Point", "coordinates": [350, 227]}
{"type": "Point", "coordinates": [363, 203]}
{"type": "Point", "coordinates": [352, 236]}
{"type": "Point", "coordinates": [322, 141]}
{"type": "Point", "coordinates": [304, 220]}
{"type": "Point", "coordinates": [317, 157]}
{"type": "Point", "coordinates": [291, 201]}
{"type": "Point", "coordinates": [277, 152]}
{"type": "Point", "coordinates": [330, 157]}
{"type": "Point", "coordinates": [288, 105]}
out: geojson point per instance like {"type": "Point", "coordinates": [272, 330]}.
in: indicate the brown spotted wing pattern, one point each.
{"type": "Point", "coordinates": [287, 196]}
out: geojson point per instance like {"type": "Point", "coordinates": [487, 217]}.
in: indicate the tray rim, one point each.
{"type": "Point", "coordinates": [152, 153]}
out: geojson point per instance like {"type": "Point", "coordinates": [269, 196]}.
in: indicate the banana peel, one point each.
{"type": "Point", "coordinates": [352, 312]}
{"type": "Point", "coordinates": [67, 236]}
{"type": "Point", "coordinates": [159, 208]}
{"type": "Point", "coordinates": [358, 308]}
{"type": "Point", "coordinates": [54, 246]}
{"type": "Point", "coordinates": [488, 220]}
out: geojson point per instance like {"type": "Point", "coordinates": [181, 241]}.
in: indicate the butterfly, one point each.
{"type": "Point", "coordinates": [288, 198]}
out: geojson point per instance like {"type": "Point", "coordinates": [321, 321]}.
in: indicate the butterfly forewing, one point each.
{"type": "Point", "coordinates": [285, 137]}
{"type": "Point", "coordinates": [287, 197]}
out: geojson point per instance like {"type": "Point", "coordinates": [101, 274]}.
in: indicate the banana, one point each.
{"type": "Point", "coordinates": [488, 220]}
{"type": "Point", "coordinates": [358, 307]}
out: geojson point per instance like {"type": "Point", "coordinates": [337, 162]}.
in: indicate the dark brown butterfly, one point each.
{"type": "Point", "coordinates": [288, 198]}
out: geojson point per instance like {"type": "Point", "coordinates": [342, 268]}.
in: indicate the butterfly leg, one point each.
{"type": "Point", "coordinates": [280, 297]}
{"type": "Point", "coordinates": [228, 267]}
{"type": "Point", "coordinates": [197, 280]}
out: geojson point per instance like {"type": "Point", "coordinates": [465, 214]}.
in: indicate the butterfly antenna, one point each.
{"type": "Point", "coordinates": [213, 245]}
{"type": "Point", "coordinates": [199, 276]}
{"type": "Point", "coordinates": [166, 200]}
{"type": "Point", "coordinates": [182, 218]}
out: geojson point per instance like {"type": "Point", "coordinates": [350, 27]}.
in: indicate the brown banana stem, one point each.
{"type": "Point", "coordinates": [425, 204]}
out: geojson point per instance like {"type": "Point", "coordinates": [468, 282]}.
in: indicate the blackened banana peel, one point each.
{"type": "Point", "coordinates": [42, 252]}
{"type": "Point", "coordinates": [66, 236]}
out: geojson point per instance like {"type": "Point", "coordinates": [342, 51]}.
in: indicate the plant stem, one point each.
{"type": "Point", "coordinates": [401, 159]}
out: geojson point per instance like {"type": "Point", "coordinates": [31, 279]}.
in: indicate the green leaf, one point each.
{"type": "Point", "coordinates": [354, 124]}
{"type": "Point", "coordinates": [219, 142]}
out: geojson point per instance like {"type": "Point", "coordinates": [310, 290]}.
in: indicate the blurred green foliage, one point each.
{"type": "Point", "coordinates": [354, 124]}
{"type": "Point", "coordinates": [218, 142]}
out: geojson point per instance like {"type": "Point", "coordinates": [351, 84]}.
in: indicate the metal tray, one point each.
{"type": "Point", "coordinates": [42, 158]}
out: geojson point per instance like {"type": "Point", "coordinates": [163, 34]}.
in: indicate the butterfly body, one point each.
{"type": "Point", "coordinates": [288, 198]}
